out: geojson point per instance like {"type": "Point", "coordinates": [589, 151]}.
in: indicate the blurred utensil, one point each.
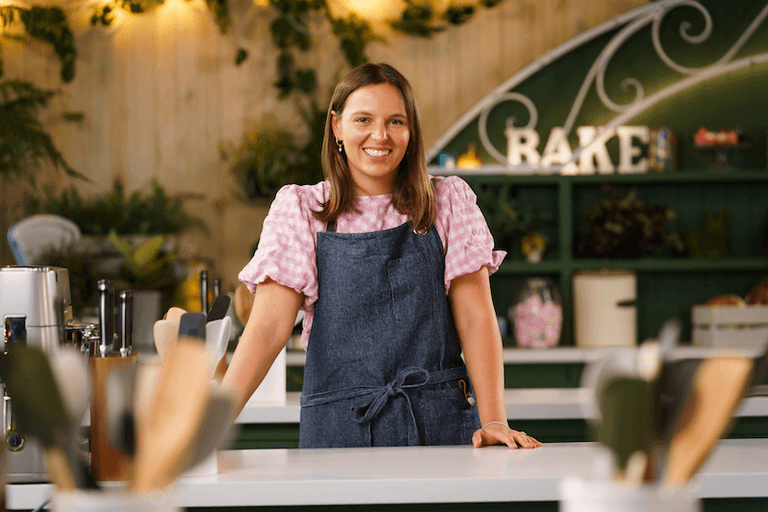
{"type": "Point", "coordinates": [217, 338]}
{"type": "Point", "coordinates": [217, 428]}
{"type": "Point", "coordinates": [218, 308]}
{"type": "Point", "coordinates": [192, 325]}
{"type": "Point", "coordinates": [70, 370]}
{"type": "Point", "coordinates": [166, 333]}
{"type": "Point", "coordinates": [628, 420]}
{"type": "Point", "coordinates": [168, 433]}
{"type": "Point", "coordinates": [615, 363]}
{"type": "Point", "coordinates": [174, 314]}
{"type": "Point", "coordinates": [718, 386]}
{"type": "Point", "coordinates": [39, 408]}
{"type": "Point", "coordinates": [669, 335]}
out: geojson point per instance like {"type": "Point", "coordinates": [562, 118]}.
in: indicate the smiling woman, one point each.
{"type": "Point", "coordinates": [391, 269]}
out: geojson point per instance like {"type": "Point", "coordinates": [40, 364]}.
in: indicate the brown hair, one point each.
{"type": "Point", "coordinates": [412, 193]}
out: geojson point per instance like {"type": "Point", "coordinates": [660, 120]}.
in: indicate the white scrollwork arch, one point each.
{"type": "Point", "coordinates": [483, 121]}
{"type": "Point", "coordinates": [628, 24]}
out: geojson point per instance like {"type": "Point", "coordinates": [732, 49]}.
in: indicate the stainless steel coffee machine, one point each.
{"type": "Point", "coordinates": [35, 307]}
{"type": "Point", "coordinates": [36, 310]}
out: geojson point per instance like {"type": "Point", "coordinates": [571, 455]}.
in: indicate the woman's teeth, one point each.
{"type": "Point", "coordinates": [377, 152]}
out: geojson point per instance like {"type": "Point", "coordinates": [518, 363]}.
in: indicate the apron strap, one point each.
{"type": "Point", "coordinates": [331, 226]}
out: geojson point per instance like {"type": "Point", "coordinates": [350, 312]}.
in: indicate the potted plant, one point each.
{"type": "Point", "coordinates": [625, 227]}
{"type": "Point", "coordinates": [265, 161]}
{"type": "Point", "coordinates": [270, 157]}
{"type": "Point", "coordinates": [515, 223]}
{"type": "Point", "coordinates": [149, 271]}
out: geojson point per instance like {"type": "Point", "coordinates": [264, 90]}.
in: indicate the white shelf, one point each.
{"type": "Point", "coordinates": [521, 404]}
{"type": "Point", "coordinates": [565, 354]}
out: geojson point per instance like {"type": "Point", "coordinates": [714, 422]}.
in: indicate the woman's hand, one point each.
{"type": "Point", "coordinates": [501, 434]}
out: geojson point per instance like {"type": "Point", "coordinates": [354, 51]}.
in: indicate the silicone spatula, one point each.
{"type": "Point", "coordinates": [717, 389]}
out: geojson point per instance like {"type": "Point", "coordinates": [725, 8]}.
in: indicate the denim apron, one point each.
{"type": "Point", "coordinates": [383, 364]}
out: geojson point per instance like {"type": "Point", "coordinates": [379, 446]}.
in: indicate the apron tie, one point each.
{"type": "Point", "coordinates": [380, 397]}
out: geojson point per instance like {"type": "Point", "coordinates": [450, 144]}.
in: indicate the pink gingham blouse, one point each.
{"type": "Point", "coordinates": [286, 252]}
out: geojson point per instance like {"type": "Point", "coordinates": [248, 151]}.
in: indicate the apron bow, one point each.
{"type": "Point", "coordinates": [418, 377]}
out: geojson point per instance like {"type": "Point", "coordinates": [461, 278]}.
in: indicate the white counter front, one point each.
{"type": "Point", "coordinates": [737, 468]}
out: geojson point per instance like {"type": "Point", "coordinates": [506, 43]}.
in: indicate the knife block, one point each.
{"type": "Point", "coordinates": [108, 462]}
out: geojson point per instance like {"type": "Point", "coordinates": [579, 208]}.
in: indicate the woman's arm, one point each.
{"type": "Point", "coordinates": [475, 319]}
{"type": "Point", "coordinates": [267, 331]}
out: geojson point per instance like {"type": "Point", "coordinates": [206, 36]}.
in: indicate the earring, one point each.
{"type": "Point", "coordinates": [340, 145]}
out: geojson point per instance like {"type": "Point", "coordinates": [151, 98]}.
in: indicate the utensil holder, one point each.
{"type": "Point", "coordinates": [113, 501]}
{"type": "Point", "coordinates": [108, 462]}
{"type": "Point", "coordinates": [578, 495]}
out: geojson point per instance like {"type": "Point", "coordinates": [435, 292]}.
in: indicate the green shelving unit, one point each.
{"type": "Point", "coordinates": [667, 286]}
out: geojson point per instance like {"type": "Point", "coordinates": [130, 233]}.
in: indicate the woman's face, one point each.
{"type": "Point", "coordinates": [375, 132]}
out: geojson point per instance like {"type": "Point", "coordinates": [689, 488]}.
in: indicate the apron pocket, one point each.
{"type": "Point", "coordinates": [332, 425]}
{"type": "Point", "coordinates": [413, 287]}
{"type": "Point", "coordinates": [448, 417]}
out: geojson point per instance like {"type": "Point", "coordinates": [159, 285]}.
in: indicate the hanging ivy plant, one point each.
{"type": "Point", "coordinates": [354, 33]}
{"type": "Point", "coordinates": [220, 11]}
{"type": "Point", "coordinates": [49, 25]}
{"type": "Point", "coordinates": [418, 19]}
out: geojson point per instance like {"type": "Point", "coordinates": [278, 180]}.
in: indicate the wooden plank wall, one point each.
{"type": "Point", "coordinates": [161, 97]}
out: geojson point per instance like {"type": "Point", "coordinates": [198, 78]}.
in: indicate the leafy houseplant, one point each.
{"type": "Point", "coordinates": [270, 157]}
{"type": "Point", "coordinates": [148, 265]}
{"type": "Point", "coordinates": [24, 144]}
{"type": "Point", "coordinates": [625, 227]}
{"type": "Point", "coordinates": [154, 213]}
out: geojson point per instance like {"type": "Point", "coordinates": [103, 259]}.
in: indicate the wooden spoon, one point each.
{"type": "Point", "coordinates": [243, 303]}
{"type": "Point", "coordinates": [166, 332]}
{"type": "Point", "coordinates": [718, 386]}
{"type": "Point", "coordinates": [167, 436]}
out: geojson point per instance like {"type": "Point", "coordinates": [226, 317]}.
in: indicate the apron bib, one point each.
{"type": "Point", "coordinates": [383, 365]}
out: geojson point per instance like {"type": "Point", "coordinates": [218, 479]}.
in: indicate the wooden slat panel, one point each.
{"type": "Point", "coordinates": [160, 95]}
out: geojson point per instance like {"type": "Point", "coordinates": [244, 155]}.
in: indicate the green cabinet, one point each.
{"type": "Point", "coordinates": [667, 286]}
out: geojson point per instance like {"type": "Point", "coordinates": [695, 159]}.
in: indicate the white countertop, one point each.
{"type": "Point", "coordinates": [737, 468]}
{"type": "Point", "coordinates": [522, 404]}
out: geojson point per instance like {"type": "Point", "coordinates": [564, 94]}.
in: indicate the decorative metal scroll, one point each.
{"type": "Point", "coordinates": [631, 23]}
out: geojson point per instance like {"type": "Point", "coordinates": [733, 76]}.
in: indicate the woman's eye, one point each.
{"type": "Point", "coordinates": [361, 119]}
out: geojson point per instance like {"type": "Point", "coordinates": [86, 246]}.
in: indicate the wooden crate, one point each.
{"type": "Point", "coordinates": [730, 326]}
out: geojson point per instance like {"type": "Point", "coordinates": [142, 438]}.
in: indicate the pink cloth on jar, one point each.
{"type": "Point", "coordinates": [286, 251]}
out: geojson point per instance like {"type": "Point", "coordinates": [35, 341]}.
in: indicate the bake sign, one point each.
{"type": "Point", "coordinates": [590, 157]}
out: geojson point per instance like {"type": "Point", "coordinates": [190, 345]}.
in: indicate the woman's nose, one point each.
{"type": "Point", "coordinates": [379, 131]}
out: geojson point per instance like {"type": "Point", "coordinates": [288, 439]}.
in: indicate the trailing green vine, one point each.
{"type": "Point", "coordinates": [49, 25]}
{"type": "Point", "coordinates": [290, 31]}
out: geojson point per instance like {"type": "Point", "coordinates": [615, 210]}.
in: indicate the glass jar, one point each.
{"type": "Point", "coordinates": [537, 315]}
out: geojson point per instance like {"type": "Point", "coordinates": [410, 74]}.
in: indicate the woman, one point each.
{"type": "Point", "coordinates": [391, 268]}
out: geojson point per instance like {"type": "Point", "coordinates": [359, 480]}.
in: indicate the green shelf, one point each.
{"type": "Point", "coordinates": [495, 175]}
{"type": "Point", "coordinates": [649, 264]}
{"type": "Point", "coordinates": [693, 265]}
{"type": "Point", "coordinates": [523, 267]}
{"type": "Point", "coordinates": [667, 287]}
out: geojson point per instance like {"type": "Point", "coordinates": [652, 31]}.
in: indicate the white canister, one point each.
{"type": "Point", "coordinates": [578, 495]}
{"type": "Point", "coordinates": [272, 389]}
{"type": "Point", "coordinates": [605, 308]}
